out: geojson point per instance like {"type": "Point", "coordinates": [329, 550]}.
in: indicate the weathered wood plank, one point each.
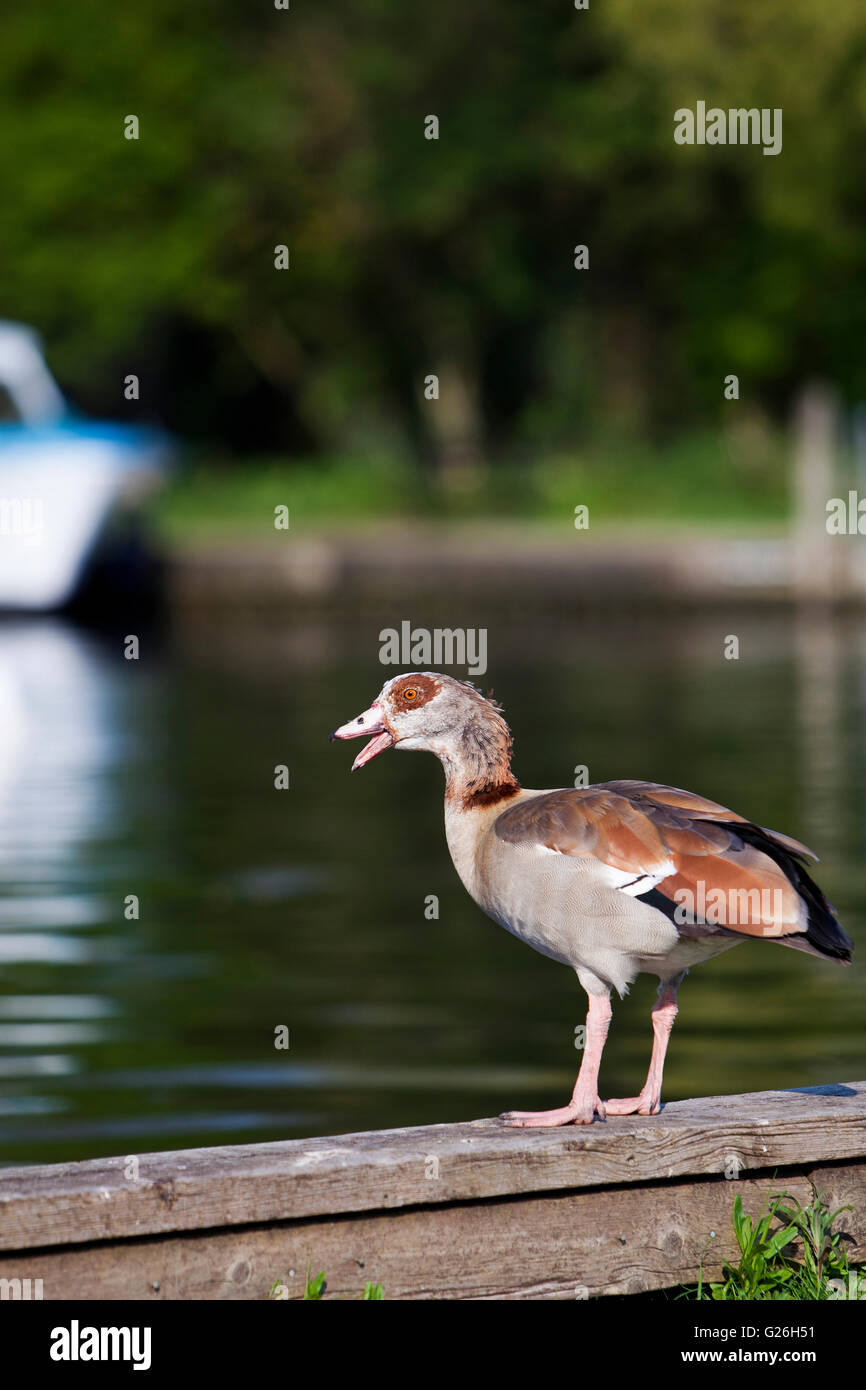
{"type": "Point", "coordinates": [205, 1189]}
{"type": "Point", "coordinates": [560, 1246]}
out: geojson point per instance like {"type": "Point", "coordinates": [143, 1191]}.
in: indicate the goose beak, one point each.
{"type": "Point", "coordinates": [370, 722]}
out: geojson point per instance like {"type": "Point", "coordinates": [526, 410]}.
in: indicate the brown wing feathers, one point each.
{"type": "Point", "coordinates": [722, 873]}
{"type": "Point", "coordinates": [596, 821]}
{"type": "Point", "coordinates": [824, 936]}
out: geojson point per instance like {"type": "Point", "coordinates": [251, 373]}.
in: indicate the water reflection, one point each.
{"type": "Point", "coordinates": [820, 695]}
{"type": "Point", "coordinates": [305, 909]}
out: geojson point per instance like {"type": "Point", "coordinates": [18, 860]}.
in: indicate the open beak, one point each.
{"type": "Point", "coordinates": [370, 722]}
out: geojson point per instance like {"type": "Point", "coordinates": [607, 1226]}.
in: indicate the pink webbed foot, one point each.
{"type": "Point", "coordinates": [579, 1112]}
{"type": "Point", "coordinates": [635, 1105]}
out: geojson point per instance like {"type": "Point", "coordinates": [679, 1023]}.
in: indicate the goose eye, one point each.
{"type": "Point", "coordinates": [410, 693]}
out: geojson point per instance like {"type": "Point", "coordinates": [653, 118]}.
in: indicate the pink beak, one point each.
{"type": "Point", "coordinates": [370, 722]}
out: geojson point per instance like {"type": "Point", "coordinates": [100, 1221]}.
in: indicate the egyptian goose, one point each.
{"type": "Point", "coordinates": [614, 880]}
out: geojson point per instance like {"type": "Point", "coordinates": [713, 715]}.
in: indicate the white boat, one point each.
{"type": "Point", "coordinates": [62, 478]}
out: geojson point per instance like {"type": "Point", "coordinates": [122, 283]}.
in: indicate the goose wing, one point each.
{"type": "Point", "coordinates": [708, 868]}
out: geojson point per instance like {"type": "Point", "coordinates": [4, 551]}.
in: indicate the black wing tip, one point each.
{"type": "Point", "coordinates": [827, 937]}
{"type": "Point", "coordinates": [824, 934]}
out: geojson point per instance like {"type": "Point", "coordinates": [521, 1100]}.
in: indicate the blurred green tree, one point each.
{"type": "Point", "coordinates": [453, 257]}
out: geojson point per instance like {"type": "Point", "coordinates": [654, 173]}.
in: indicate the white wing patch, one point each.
{"type": "Point", "coordinates": [626, 880]}
{"type": "Point", "coordinates": [636, 884]}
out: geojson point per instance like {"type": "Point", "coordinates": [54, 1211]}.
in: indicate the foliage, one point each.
{"type": "Point", "coordinates": [305, 127]}
{"type": "Point", "coordinates": [315, 1288]}
{"type": "Point", "coordinates": [700, 478]}
{"type": "Point", "coordinates": [802, 1259]}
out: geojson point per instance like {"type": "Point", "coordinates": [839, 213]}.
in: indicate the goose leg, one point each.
{"type": "Point", "coordinates": [584, 1104]}
{"type": "Point", "coordinates": [664, 1013]}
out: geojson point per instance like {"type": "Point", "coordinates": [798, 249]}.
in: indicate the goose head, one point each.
{"type": "Point", "coordinates": [424, 711]}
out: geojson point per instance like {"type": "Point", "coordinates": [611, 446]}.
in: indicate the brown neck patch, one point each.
{"type": "Point", "coordinates": [480, 773]}
{"type": "Point", "coordinates": [490, 793]}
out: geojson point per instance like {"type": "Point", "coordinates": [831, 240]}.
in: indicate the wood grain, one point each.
{"type": "Point", "coordinates": [208, 1189]}
{"type": "Point", "coordinates": [571, 1245]}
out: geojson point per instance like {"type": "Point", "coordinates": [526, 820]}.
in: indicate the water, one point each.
{"type": "Point", "coordinates": [304, 909]}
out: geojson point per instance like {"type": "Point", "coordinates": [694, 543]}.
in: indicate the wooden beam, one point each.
{"type": "Point", "coordinates": [198, 1189]}
{"type": "Point", "coordinates": [443, 1211]}
{"type": "Point", "coordinates": [558, 1246]}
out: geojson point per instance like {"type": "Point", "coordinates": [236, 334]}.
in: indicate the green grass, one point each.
{"type": "Point", "coordinates": [803, 1258]}
{"type": "Point", "coordinates": [706, 478]}
{"type": "Point", "coordinates": [315, 1287]}
{"type": "Point", "coordinates": [241, 499]}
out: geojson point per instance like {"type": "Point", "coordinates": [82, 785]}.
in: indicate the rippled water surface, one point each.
{"type": "Point", "coordinates": [305, 909]}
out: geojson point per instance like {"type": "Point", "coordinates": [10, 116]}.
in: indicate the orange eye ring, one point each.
{"type": "Point", "coordinates": [410, 693]}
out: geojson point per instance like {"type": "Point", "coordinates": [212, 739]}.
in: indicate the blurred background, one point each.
{"type": "Point", "coordinates": [152, 260]}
